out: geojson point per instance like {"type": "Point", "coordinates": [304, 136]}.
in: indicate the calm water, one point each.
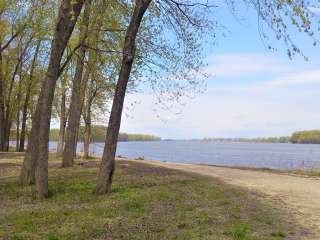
{"type": "Point", "coordinates": [260, 155]}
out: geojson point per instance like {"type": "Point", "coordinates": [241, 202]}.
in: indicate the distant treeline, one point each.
{"type": "Point", "coordinates": [253, 140]}
{"type": "Point", "coordinates": [304, 137]}
{"type": "Point", "coordinates": [312, 136]}
{"type": "Point", "coordinates": [98, 134]}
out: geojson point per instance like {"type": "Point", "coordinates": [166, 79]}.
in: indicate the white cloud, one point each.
{"type": "Point", "coordinates": [315, 10]}
{"type": "Point", "coordinates": [281, 82]}
{"type": "Point", "coordinates": [226, 115]}
{"type": "Point", "coordinates": [283, 102]}
{"type": "Point", "coordinates": [297, 79]}
{"type": "Point", "coordinates": [238, 65]}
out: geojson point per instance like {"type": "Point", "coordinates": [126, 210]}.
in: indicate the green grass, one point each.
{"type": "Point", "coordinates": [146, 203]}
{"type": "Point", "coordinates": [307, 173]}
{"type": "Point", "coordinates": [240, 231]}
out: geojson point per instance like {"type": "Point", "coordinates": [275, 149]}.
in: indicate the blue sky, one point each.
{"type": "Point", "coordinates": [252, 91]}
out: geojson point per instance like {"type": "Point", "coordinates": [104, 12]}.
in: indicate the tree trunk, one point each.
{"type": "Point", "coordinates": [18, 111]}
{"type": "Point", "coordinates": [87, 119]}
{"type": "Point", "coordinates": [27, 98]}
{"type": "Point", "coordinates": [18, 101]}
{"type": "Point", "coordinates": [37, 151]}
{"type": "Point", "coordinates": [24, 122]}
{"type": "Point", "coordinates": [107, 166]}
{"type": "Point", "coordinates": [2, 129]}
{"type": "Point", "coordinates": [76, 99]}
{"type": "Point", "coordinates": [62, 123]}
{"type": "Point", "coordinates": [17, 130]}
{"type": "Point", "coordinates": [92, 60]}
{"type": "Point", "coordinates": [87, 140]}
{"type": "Point", "coordinates": [87, 135]}
{"type": "Point", "coordinates": [27, 174]}
{"type": "Point", "coordinates": [8, 124]}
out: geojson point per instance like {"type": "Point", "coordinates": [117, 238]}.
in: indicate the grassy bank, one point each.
{"type": "Point", "coordinates": [146, 203]}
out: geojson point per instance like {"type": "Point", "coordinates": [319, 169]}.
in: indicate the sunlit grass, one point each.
{"type": "Point", "coordinates": [146, 203]}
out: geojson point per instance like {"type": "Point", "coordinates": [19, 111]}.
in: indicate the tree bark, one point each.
{"type": "Point", "coordinates": [27, 98]}
{"type": "Point", "coordinates": [87, 136]}
{"type": "Point", "coordinates": [7, 127]}
{"type": "Point", "coordinates": [87, 119]}
{"type": "Point", "coordinates": [18, 112]}
{"type": "Point", "coordinates": [63, 121]}
{"type": "Point", "coordinates": [107, 166]}
{"type": "Point", "coordinates": [17, 129]}
{"type": "Point", "coordinates": [27, 174]}
{"type": "Point", "coordinates": [2, 129]}
{"type": "Point", "coordinates": [76, 106]}
{"type": "Point", "coordinates": [37, 151]}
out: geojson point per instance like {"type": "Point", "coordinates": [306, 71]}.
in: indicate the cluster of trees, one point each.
{"type": "Point", "coordinates": [76, 60]}
{"type": "Point", "coordinates": [306, 137]}
{"type": "Point", "coordinates": [98, 134]}
{"type": "Point", "coordinates": [302, 137]}
{"type": "Point", "coordinates": [124, 137]}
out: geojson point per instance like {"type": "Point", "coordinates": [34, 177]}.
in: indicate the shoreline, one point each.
{"type": "Point", "coordinates": [312, 173]}
{"type": "Point", "coordinates": [295, 172]}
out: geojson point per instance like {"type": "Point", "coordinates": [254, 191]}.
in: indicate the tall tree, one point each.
{"type": "Point", "coordinates": [108, 164]}
{"type": "Point", "coordinates": [41, 26]}
{"type": "Point", "coordinates": [98, 92]}
{"type": "Point", "coordinates": [35, 165]}
{"type": "Point", "coordinates": [18, 106]}
{"type": "Point", "coordinates": [7, 37]}
{"type": "Point", "coordinates": [79, 82]}
{"type": "Point", "coordinates": [90, 96]}
{"type": "Point", "coordinates": [29, 84]}
{"type": "Point", "coordinates": [2, 136]}
{"type": "Point", "coordinates": [9, 114]}
{"type": "Point", "coordinates": [63, 113]}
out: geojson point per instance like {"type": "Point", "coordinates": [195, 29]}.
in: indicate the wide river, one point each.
{"type": "Point", "coordinates": [259, 155]}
